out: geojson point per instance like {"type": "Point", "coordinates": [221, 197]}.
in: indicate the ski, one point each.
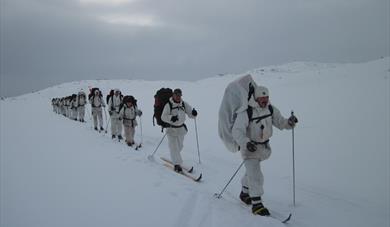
{"type": "Point", "coordinates": [274, 214]}
{"type": "Point", "coordinates": [184, 173]}
{"type": "Point", "coordinates": [287, 219]}
{"type": "Point", "coordinates": [188, 169]}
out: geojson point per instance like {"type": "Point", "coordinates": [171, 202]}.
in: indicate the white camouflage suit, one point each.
{"type": "Point", "coordinates": [97, 103]}
{"type": "Point", "coordinates": [73, 108]}
{"type": "Point", "coordinates": [128, 114]}
{"type": "Point", "coordinates": [178, 130]}
{"type": "Point", "coordinates": [114, 103]}
{"type": "Point", "coordinates": [81, 101]}
{"type": "Point", "coordinates": [244, 131]}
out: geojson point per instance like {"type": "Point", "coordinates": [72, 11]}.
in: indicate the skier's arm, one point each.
{"type": "Point", "coordinates": [166, 114]}
{"type": "Point", "coordinates": [279, 121]}
{"type": "Point", "coordinates": [188, 108]}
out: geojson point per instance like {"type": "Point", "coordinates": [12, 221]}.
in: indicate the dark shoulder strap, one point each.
{"type": "Point", "coordinates": [184, 106]}
{"type": "Point", "coordinates": [271, 109]}
{"type": "Point", "coordinates": [251, 90]}
{"type": "Point", "coordinates": [122, 106]}
{"type": "Point", "coordinates": [249, 111]}
{"type": "Point", "coordinates": [258, 119]}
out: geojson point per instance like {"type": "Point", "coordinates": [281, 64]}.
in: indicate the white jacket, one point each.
{"type": "Point", "coordinates": [81, 100]}
{"type": "Point", "coordinates": [96, 101]}
{"type": "Point", "coordinates": [245, 131]}
{"type": "Point", "coordinates": [180, 110]}
{"type": "Point", "coordinates": [129, 114]}
{"type": "Point", "coordinates": [114, 103]}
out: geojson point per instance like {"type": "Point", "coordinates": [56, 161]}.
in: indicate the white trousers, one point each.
{"type": "Point", "coordinates": [116, 126]}
{"type": "Point", "coordinates": [81, 112]}
{"type": "Point", "coordinates": [129, 133]}
{"type": "Point", "coordinates": [97, 114]}
{"type": "Point", "coordinates": [175, 144]}
{"type": "Point", "coordinates": [253, 178]}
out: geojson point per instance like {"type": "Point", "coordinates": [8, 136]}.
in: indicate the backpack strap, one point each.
{"type": "Point", "coordinates": [178, 107]}
{"type": "Point", "coordinates": [251, 91]}
{"type": "Point", "coordinates": [258, 119]}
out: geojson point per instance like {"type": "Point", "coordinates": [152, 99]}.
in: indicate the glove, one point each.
{"type": "Point", "coordinates": [174, 118]}
{"type": "Point", "coordinates": [112, 108]}
{"type": "Point", "coordinates": [120, 118]}
{"type": "Point", "coordinates": [251, 147]}
{"type": "Point", "coordinates": [110, 113]}
{"type": "Point", "coordinates": [194, 112]}
{"type": "Point", "coordinates": [139, 113]}
{"type": "Point", "coordinates": [292, 120]}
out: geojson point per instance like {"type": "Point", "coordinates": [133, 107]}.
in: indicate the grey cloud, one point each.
{"type": "Point", "coordinates": [46, 42]}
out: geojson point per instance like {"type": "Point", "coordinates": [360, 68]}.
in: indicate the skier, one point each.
{"type": "Point", "coordinates": [252, 131]}
{"type": "Point", "coordinates": [67, 106]}
{"type": "Point", "coordinates": [128, 112]}
{"type": "Point", "coordinates": [174, 114]}
{"type": "Point", "coordinates": [81, 101]}
{"type": "Point", "coordinates": [114, 103]}
{"type": "Point", "coordinates": [96, 100]}
{"type": "Point", "coordinates": [73, 107]}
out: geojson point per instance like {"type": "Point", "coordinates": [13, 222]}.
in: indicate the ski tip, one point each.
{"type": "Point", "coordinates": [199, 178]}
{"type": "Point", "coordinates": [287, 219]}
{"type": "Point", "coordinates": [190, 170]}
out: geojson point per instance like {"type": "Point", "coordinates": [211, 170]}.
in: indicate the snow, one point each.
{"type": "Point", "coordinates": [58, 172]}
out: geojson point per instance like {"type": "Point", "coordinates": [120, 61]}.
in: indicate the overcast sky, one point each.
{"type": "Point", "coordinates": [47, 42]}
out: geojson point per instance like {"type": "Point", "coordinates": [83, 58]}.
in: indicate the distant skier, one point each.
{"type": "Point", "coordinates": [128, 113]}
{"type": "Point", "coordinates": [114, 103]}
{"type": "Point", "coordinates": [97, 102]}
{"type": "Point", "coordinates": [174, 114]}
{"type": "Point", "coordinates": [81, 101]}
{"type": "Point", "coordinates": [73, 107]}
{"type": "Point", "coordinates": [252, 130]}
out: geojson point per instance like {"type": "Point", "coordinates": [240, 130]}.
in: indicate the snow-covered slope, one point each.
{"type": "Point", "coordinates": [57, 172]}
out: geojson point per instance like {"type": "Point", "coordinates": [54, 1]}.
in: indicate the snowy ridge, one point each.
{"type": "Point", "coordinates": [58, 172]}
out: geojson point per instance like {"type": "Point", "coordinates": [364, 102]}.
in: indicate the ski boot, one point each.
{"type": "Point", "coordinates": [245, 198]}
{"type": "Point", "coordinates": [177, 168]}
{"type": "Point", "coordinates": [259, 209]}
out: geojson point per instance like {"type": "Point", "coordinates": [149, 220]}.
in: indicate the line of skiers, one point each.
{"type": "Point", "coordinates": [72, 106]}
{"type": "Point", "coordinates": [122, 110]}
{"type": "Point", "coordinates": [249, 132]}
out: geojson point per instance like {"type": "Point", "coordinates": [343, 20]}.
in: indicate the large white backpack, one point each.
{"type": "Point", "coordinates": [235, 100]}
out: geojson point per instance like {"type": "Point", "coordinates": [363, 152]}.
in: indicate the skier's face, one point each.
{"type": "Point", "coordinates": [262, 101]}
{"type": "Point", "coordinates": [176, 97]}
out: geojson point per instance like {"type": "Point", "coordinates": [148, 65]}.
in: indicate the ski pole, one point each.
{"type": "Point", "coordinates": [140, 124]}
{"type": "Point", "coordinates": [223, 190]}
{"type": "Point", "coordinates": [150, 157]}
{"type": "Point", "coordinates": [293, 159]}
{"type": "Point", "coordinates": [197, 140]}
